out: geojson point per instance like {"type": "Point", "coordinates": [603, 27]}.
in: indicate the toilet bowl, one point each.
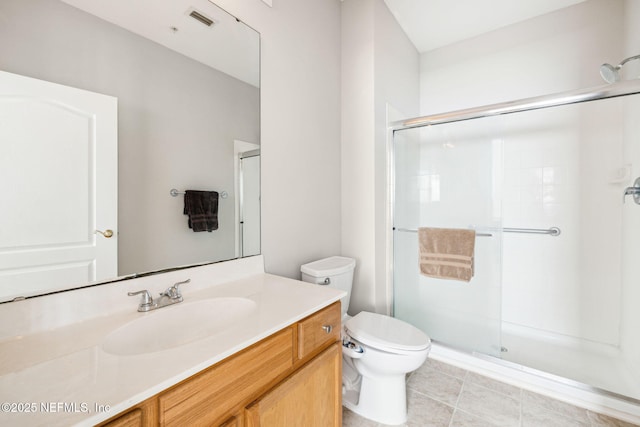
{"type": "Point", "coordinates": [378, 350]}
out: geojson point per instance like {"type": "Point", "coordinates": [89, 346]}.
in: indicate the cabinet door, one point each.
{"type": "Point", "coordinates": [143, 415]}
{"type": "Point", "coordinates": [312, 397]}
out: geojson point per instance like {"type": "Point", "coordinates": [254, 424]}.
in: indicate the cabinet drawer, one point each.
{"type": "Point", "coordinates": [208, 397]}
{"type": "Point", "coordinates": [319, 329]}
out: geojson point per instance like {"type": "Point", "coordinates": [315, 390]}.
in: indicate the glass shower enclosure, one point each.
{"type": "Point", "coordinates": [447, 177]}
{"type": "Point", "coordinates": [556, 246]}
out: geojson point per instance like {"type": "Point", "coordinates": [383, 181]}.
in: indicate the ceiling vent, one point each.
{"type": "Point", "coordinates": [201, 18]}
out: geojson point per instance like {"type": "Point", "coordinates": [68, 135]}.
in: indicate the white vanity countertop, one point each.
{"type": "Point", "coordinates": [64, 377]}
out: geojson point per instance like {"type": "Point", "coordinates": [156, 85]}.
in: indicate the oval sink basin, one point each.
{"type": "Point", "coordinates": [176, 325]}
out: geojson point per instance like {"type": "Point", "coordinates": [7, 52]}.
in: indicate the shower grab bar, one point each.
{"type": "Point", "coordinates": [553, 231]}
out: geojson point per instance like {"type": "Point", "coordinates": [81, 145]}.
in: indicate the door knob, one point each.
{"type": "Point", "coordinates": [106, 233]}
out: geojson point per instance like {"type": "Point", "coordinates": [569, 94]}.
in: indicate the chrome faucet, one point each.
{"type": "Point", "coordinates": [171, 295]}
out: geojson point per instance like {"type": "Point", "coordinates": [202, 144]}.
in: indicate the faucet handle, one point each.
{"type": "Point", "coordinates": [173, 292]}
{"type": "Point", "coordinates": [146, 302]}
{"type": "Point", "coordinates": [176, 288]}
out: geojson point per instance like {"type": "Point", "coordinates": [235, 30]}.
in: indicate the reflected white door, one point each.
{"type": "Point", "coordinates": [58, 185]}
{"type": "Point", "coordinates": [250, 205]}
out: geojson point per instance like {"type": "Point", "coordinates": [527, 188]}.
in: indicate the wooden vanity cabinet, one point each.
{"type": "Point", "coordinates": [291, 378]}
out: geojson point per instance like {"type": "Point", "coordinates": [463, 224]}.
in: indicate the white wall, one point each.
{"type": "Point", "coordinates": [548, 54]}
{"type": "Point", "coordinates": [379, 68]}
{"type": "Point", "coordinates": [555, 173]}
{"type": "Point", "coordinates": [358, 158]}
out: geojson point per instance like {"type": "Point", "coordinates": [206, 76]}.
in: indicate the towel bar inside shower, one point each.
{"type": "Point", "coordinates": [553, 231]}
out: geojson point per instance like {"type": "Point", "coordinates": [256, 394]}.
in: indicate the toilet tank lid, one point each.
{"type": "Point", "coordinates": [329, 266]}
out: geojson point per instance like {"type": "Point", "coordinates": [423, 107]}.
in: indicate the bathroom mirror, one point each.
{"type": "Point", "coordinates": [176, 89]}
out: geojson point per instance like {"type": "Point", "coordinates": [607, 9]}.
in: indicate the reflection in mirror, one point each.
{"type": "Point", "coordinates": [102, 113]}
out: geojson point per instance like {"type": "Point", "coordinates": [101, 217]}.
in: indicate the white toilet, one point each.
{"type": "Point", "coordinates": [378, 351]}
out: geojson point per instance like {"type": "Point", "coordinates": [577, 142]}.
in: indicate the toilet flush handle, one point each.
{"type": "Point", "coordinates": [327, 281]}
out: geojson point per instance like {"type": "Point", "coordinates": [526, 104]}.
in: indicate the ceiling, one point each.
{"type": "Point", "coordinates": [228, 45]}
{"type": "Point", "coordinates": [431, 24]}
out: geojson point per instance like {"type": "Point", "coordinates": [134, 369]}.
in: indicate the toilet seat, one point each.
{"type": "Point", "coordinates": [386, 333]}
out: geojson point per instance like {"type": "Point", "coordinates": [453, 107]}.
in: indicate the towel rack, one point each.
{"type": "Point", "coordinates": [174, 193]}
{"type": "Point", "coordinates": [413, 230]}
{"type": "Point", "coordinates": [553, 231]}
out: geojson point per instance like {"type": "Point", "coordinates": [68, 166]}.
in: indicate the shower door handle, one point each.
{"type": "Point", "coordinates": [633, 191]}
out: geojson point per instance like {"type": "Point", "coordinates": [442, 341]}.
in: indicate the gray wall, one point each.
{"type": "Point", "coordinates": [300, 115]}
{"type": "Point", "coordinates": [177, 122]}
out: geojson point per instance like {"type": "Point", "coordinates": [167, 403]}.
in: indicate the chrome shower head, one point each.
{"type": "Point", "coordinates": [611, 74]}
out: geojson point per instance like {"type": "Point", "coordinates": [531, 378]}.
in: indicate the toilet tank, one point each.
{"type": "Point", "coordinates": [334, 272]}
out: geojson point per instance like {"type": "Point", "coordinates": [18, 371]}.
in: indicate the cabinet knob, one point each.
{"type": "Point", "coordinates": [327, 328]}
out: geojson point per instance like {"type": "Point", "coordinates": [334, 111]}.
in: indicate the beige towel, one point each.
{"type": "Point", "coordinates": [447, 253]}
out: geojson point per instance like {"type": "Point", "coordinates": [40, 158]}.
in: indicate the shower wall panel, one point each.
{"type": "Point", "coordinates": [562, 169]}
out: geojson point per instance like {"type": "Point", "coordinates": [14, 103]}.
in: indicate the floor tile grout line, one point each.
{"type": "Point", "coordinates": [469, 381]}
{"type": "Point", "coordinates": [496, 391]}
{"type": "Point", "coordinates": [435, 399]}
{"type": "Point", "coordinates": [455, 407]}
{"type": "Point", "coordinates": [521, 408]}
{"type": "Point", "coordinates": [520, 401]}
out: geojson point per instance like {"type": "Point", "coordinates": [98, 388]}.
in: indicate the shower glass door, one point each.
{"type": "Point", "coordinates": [450, 176]}
{"type": "Point", "coordinates": [573, 292]}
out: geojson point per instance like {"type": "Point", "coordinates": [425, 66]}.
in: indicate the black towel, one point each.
{"type": "Point", "coordinates": [202, 208]}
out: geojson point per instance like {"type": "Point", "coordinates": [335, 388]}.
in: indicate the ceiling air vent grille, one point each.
{"type": "Point", "coordinates": [201, 18]}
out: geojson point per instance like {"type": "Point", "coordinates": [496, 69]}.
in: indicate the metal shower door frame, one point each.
{"type": "Point", "coordinates": [613, 90]}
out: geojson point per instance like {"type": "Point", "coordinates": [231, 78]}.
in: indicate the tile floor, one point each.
{"type": "Point", "coordinates": [441, 395]}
